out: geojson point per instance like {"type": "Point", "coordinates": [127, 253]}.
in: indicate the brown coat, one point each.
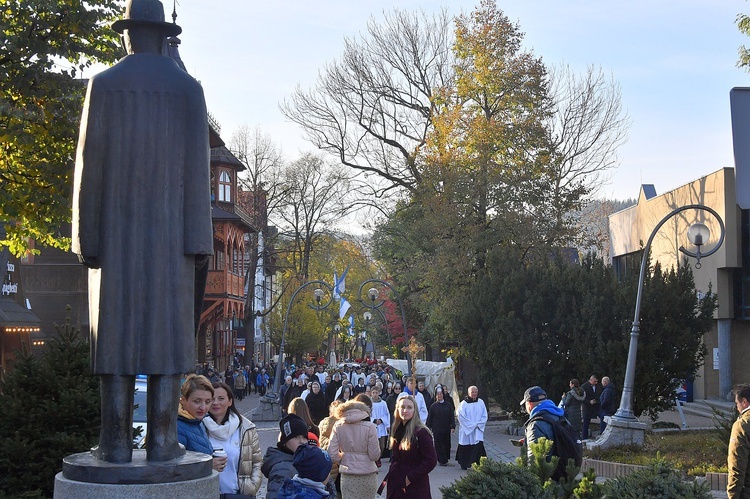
{"type": "Point", "coordinates": [354, 441]}
{"type": "Point", "coordinates": [738, 459]}
{"type": "Point", "coordinates": [326, 428]}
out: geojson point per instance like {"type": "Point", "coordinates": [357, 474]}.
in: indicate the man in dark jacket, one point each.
{"type": "Point", "coordinates": [590, 407]}
{"type": "Point", "coordinates": [535, 402]}
{"type": "Point", "coordinates": [607, 403]}
{"type": "Point", "coordinates": [282, 393]}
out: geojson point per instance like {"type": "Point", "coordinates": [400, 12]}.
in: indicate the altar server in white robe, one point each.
{"type": "Point", "coordinates": [472, 417]}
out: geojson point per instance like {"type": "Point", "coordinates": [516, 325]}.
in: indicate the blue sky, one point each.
{"type": "Point", "coordinates": [674, 61]}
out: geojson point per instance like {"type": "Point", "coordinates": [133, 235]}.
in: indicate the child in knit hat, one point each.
{"type": "Point", "coordinates": [278, 462]}
{"type": "Point", "coordinates": [313, 466]}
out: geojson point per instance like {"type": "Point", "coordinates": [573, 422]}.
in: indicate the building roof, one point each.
{"type": "Point", "coordinates": [219, 214]}
{"type": "Point", "coordinates": [223, 156]}
{"type": "Point", "coordinates": [13, 314]}
{"type": "Point", "coordinates": [648, 190]}
{"type": "Point", "coordinates": [236, 215]}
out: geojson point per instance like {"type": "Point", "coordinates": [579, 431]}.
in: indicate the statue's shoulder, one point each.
{"type": "Point", "coordinates": [147, 71]}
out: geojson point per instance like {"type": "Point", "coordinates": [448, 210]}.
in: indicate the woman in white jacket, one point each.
{"type": "Point", "coordinates": [237, 436]}
{"type": "Point", "coordinates": [354, 445]}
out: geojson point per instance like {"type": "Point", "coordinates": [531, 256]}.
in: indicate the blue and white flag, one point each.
{"type": "Point", "coordinates": [339, 284]}
{"type": "Point", "coordinates": [351, 325]}
{"type": "Point", "coordinates": [344, 308]}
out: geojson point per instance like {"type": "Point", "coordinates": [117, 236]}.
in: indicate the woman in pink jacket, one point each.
{"type": "Point", "coordinates": [354, 445]}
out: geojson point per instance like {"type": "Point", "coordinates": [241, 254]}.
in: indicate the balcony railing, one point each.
{"type": "Point", "coordinates": [220, 283]}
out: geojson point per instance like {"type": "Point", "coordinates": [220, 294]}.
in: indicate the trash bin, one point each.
{"type": "Point", "coordinates": [682, 392]}
{"type": "Point", "coordinates": [689, 391]}
{"type": "Point", "coordinates": [685, 390]}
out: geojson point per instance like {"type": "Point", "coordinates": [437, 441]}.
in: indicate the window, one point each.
{"type": "Point", "coordinates": [225, 187]}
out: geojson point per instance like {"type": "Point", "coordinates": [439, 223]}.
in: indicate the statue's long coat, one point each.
{"type": "Point", "coordinates": [141, 205]}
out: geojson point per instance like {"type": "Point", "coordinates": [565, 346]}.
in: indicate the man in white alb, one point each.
{"type": "Point", "coordinates": [472, 416]}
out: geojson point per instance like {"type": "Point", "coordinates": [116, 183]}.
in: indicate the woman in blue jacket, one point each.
{"type": "Point", "coordinates": [196, 395]}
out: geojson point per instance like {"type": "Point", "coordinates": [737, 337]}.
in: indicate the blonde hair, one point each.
{"type": "Point", "coordinates": [195, 382]}
{"type": "Point", "coordinates": [332, 407]}
{"type": "Point", "coordinates": [410, 427]}
{"type": "Point", "coordinates": [299, 407]}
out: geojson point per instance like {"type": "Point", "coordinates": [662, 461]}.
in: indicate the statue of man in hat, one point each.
{"type": "Point", "coordinates": [142, 225]}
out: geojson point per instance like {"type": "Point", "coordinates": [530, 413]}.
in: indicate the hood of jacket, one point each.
{"type": "Point", "coordinates": [547, 406]}
{"type": "Point", "coordinates": [353, 411]}
{"type": "Point", "coordinates": [273, 456]}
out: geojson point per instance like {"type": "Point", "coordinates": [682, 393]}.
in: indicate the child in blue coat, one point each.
{"type": "Point", "coordinates": [313, 466]}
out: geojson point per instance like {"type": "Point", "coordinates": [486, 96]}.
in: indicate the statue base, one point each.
{"type": "Point", "coordinates": [269, 409]}
{"type": "Point", "coordinates": [86, 469]}
{"type": "Point", "coordinates": [619, 432]}
{"type": "Point", "coordinates": [199, 488]}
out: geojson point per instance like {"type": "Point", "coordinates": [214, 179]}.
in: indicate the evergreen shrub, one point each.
{"type": "Point", "coordinates": [50, 410]}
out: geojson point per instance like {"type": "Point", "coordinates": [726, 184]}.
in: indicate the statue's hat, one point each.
{"type": "Point", "coordinates": [145, 13]}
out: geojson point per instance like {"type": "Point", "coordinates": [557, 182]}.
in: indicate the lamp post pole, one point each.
{"type": "Point", "coordinates": [699, 234]}
{"type": "Point", "coordinates": [372, 293]}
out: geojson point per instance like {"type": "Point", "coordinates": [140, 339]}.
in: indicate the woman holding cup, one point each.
{"type": "Point", "coordinates": [236, 437]}
{"type": "Point", "coordinates": [196, 396]}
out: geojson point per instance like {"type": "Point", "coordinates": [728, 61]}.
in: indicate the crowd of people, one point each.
{"type": "Point", "coordinates": [577, 407]}
{"type": "Point", "coordinates": [362, 415]}
{"type": "Point", "coordinates": [350, 420]}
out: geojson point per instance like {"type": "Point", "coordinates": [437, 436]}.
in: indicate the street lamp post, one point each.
{"type": "Point", "coordinates": [318, 305]}
{"type": "Point", "coordinates": [624, 418]}
{"type": "Point", "coordinates": [372, 294]}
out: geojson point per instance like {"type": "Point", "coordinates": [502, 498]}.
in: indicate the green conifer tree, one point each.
{"type": "Point", "coordinates": [51, 409]}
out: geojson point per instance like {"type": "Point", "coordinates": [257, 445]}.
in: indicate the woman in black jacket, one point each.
{"type": "Point", "coordinates": [317, 403]}
{"type": "Point", "coordinates": [442, 421]}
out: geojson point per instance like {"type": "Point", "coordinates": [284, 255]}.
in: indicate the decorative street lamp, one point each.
{"type": "Point", "coordinates": [624, 418]}
{"type": "Point", "coordinates": [317, 305]}
{"type": "Point", "coordinates": [373, 303]}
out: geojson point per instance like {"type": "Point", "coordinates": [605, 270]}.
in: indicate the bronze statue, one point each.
{"type": "Point", "coordinates": [142, 224]}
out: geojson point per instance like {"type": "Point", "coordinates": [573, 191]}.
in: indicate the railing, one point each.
{"type": "Point", "coordinates": [220, 282]}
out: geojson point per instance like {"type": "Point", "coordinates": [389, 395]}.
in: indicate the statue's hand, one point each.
{"type": "Point", "coordinates": [91, 262]}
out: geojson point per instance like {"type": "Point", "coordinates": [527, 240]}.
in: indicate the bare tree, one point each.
{"type": "Point", "coordinates": [262, 179]}
{"type": "Point", "coordinates": [264, 163]}
{"type": "Point", "coordinates": [317, 197]}
{"type": "Point", "coordinates": [373, 108]}
{"type": "Point", "coordinates": [588, 126]}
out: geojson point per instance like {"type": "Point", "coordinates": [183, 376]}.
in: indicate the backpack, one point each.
{"type": "Point", "coordinates": [567, 443]}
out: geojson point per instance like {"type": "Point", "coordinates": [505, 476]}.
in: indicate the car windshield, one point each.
{"type": "Point", "coordinates": [139, 408]}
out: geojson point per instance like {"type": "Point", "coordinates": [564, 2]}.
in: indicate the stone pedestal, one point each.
{"type": "Point", "coordinates": [190, 475]}
{"type": "Point", "coordinates": [268, 410]}
{"type": "Point", "coordinates": [199, 488]}
{"type": "Point", "coordinates": [619, 432]}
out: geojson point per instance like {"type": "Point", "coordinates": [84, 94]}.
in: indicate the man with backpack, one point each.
{"type": "Point", "coordinates": [547, 420]}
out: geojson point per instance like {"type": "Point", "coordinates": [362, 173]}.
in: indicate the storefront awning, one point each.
{"type": "Point", "coordinates": [14, 315]}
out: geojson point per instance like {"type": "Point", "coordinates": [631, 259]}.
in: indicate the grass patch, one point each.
{"type": "Point", "coordinates": [692, 453]}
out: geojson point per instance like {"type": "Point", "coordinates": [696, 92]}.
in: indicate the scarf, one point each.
{"type": "Point", "coordinates": [222, 431]}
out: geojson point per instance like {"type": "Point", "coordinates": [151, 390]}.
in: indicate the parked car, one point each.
{"type": "Point", "coordinates": [139, 413]}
